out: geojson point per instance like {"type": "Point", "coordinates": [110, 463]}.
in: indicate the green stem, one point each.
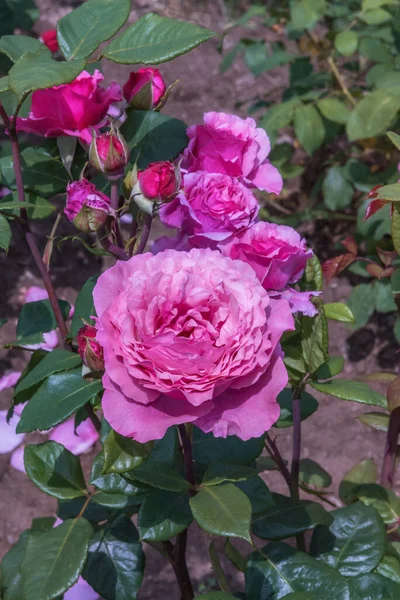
{"type": "Point", "coordinates": [217, 568]}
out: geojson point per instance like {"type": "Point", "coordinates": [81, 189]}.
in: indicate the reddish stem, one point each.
{"type": "Point", "coordinates": [144, 233]}
{"type": "Point", "coordinates": [389, 460]}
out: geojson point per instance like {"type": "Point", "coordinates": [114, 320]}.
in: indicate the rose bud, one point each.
{"type": "Point", "coordinates": [89, 349]}
{"type": "Point", "coordinates": [144, 88]}
{"type": "Point", "coordinates": [109, 153]}
{"type": "Point", "coordinates": [86, 207]}
{"type": "Point", "coordinates": [160, 182]}
{"type": "Point", "coordinates": [49, 39]}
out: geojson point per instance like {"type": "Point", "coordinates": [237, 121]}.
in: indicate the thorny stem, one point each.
{"type": "Point", "coordinates": [180, 569]}
{"type": "Point", "coordinates": [341, 81]}
{"type": "Point", "coordinates": [273, 451]}
{"type": "Point", "coordinates": [187, 453]}
{"type": "Point", "coordinates": [144, 233]}
{"type": "Point", "coordinates": [389, 460]}
{"type": "Point", "coordinates": [10, 125]}
{"type": "Point", "coordinates": [296, 452]}
{"type": "Point", "coordinates": [115, 206]}
{"type": "Point", "coordinates": [119, 253]}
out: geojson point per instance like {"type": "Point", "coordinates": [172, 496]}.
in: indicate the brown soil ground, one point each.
{"type": "Point", "coordinates": [332, 436]}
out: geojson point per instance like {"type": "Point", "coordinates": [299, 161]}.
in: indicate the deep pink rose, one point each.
{"type": "Point", "coordinates": [189, 337]}
{"type": "Point", "coordinates": [159, 181]}
{"type": "Point", "coordinates": [232, 146]}
{"type": "Point", "coordinates": [148, 98]}
{"type": "Point", "coordinates": [109, 153]}
{"type": "Point", "coordinates": [86, 206]}
{"type": "Point", "coordinates": [89, 350]}
{"type": "Point", "coordinates": [72, 108]}
{"type": "Point", "coordinates": [49, 39]}
{"type": "Point", "coordinates": [212, 205]}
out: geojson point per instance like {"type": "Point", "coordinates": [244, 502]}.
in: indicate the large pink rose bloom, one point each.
{"type": "Point", "coordinates": [72, 108]}
{"type": "Point", "coordinates": [189, 337]}
{"type": "Point", "coordinates": [212, 205]}
{"type": "Point", "coordinates": [232, 146]}
{"type": "Point", "coordinates": [278, 255]}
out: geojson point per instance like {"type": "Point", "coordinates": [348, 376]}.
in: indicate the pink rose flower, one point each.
{"type": "Point", "coordinates": [189, 337]}
{"type": "Point", "coordinates": [278, 255]}
{"type": "Point", "coordinates": [72, 108]}
{"type": "Point", "coordinates": [86, 206]}
{"type": "Point", "coordinates": [232, 146]}
{"type": "Point", "coordinates": [49, 39]}
{"type": "Point", "coordinates": [109, 153]}
{"type": "Point", "coordinates": [159, 181]}
{"type": "Point", "coordinates": [144, 88]}
{"type": "Point", "coordinates": [89, 350]}
{"type": "Point", "coordinates": [212, 205]}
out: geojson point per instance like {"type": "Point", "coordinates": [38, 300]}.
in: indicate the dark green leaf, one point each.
{"type": "Point", "coordinates": [355, 391]}
{"type": "Point", "coordinates": [364, 472]}
{"type": "Point", "coordinates": [389, 567]}
{"type": "Point", "coordinates": [163, 515]}
{"type": "Point", "coordinates": [330, 369]}
{"type": "Point", "coordinates": [114, 483]}
{"type": "Point", "coordinates": [84, 306]}
{"type": "Point", "coordinates": [69, 509]}
{"type": "Point", "coordinates": [160, 475]}
{"type": "Point", "coordinates": [55, 470]}
{"type": "Point", "coordinates": [306, 13]}
{"type": "Point", "coordinates": [11, 582]}
{"type": "Point", "coordinates": [53, 362]}
{"type": "Point", "coordinates": [371, 586]}
{"type": "Point", "coordinates": [56, 399]}
{"type": "Point", "coordinates": [279, 116]}
{"type": "Point", "coordinates": [373, 115]}
{"type": "Point", "coordinates": [376, 17]}
{"type": "Point", "coordinates": [338, 192]}
{"type": "Point", "coordinates": [362, 303]}
{"type": "Point", "coordinates": [354, 543]}
{"type": "Point", "coordinates": [386, 502]}
{"type": "Point", "coordinates": [165, 450]}
{"type": "Point", "coordinates": [280, 570]}
{"type": "Point", "coordinates": [222, 510]}
{"type": "Point", "coordinates": [54, 559]}
{"type": "Point", "coordinates": [308, 406]}
{"type": "Point", "coordinates": [153, 136]}
{"type": "Point", "coordinates": [115, 563]}
{"type": "Point", "coordinates": [217, 596]}
{"type": "Point", "coordinates": [122, 454]}
{"type": "Point", "coordinates": [314, 340]}
{"type": "Point", "coordinates": [286, 519]}
{"type": "Point", "coordinates": [81, 31]}
{"type": "Point", "coordinates": [220, 472]}
{"type": "Point", "coordinates": [207, 448]}
{"type": "Point", "coordinates": [38, 317]}
{"type": "Point", "coordinates": [154, 39]}
{"type": "Point", "coordinates": [312, 474]}
{"type": "Point", "coordinates": [258, 493]}
{"type": "Point", "coordinates": [14, 46]}
{"type": "Point", "coordinates": [5, 234]}
{"type": "Point", "coordinates": [334, 110]}
{"type": "Point", "coordinates": [17, 13]}
{"type": "Point", "coordinates": [308, 127]}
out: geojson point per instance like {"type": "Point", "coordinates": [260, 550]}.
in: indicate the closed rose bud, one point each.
{"type": "Point", "coordinates": [86, 206]}
{"type": "Point", "coordinates": [144, 88]}
{"type": "Point", "coordinates": [109, 153]}
{"type": "Point", "coordinates": [49, 39]}
{"type": "Point", "coordinates": [160, 182]}
{"type": "Point", "coordinates": [89, 349]}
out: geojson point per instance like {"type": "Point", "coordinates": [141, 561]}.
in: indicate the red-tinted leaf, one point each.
{"type": "Point", "coordinates": [350, 244]}
{"type": "Point", "coordinates": [334, 266]}
{"type": "Point", "coordinates": [373, 207]}
{"type": "Point", "coordinates": [374, 192]}
{"type": "Point", "coordinates": [386, 256]}
{"type": "Point", "coordinates": [388, 272]}
{"type": "Point", "coordinates": [375, 270]}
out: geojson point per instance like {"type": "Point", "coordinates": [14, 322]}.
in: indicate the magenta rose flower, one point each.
{"type": "Point", "coordinates": [159, 181]}
{"type": "Point", "coordinates": [86, 206]}
{"type": "Point", "coordinates": [213, 206]}
{"type": "Point", "coordinates": [72, 108]}
{"type": "Point", "coordinates": [189, 337]}
{"type": "Point", "coordinates": [144, 88]}
{"type": "Point", "coordinates": [109, 153]}
{"type": "Point", "coordinates": [278, 255]}
{"type": "Point", "coordinates": [232, 146]}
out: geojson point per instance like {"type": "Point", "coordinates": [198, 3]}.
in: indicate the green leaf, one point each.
{"type": "Point", "coordinates": [354, 543]}
{"type": "Point", "coordinates": [11, 582]}
{"type": "Point", "coordinates": [17, 13]}
{"type": "Point", "coordinates": [394, 138]}
{"type": "Point", "coordinates": [38, 72]}
{"type": "Point", "coordinates": [114, 483]}
{"type": "Point", "coordinates": [395, 227]}
{"type": "Point", "coordinates": [122, 454]}
{"type": "Point", "coordinates": [306, 13]}
{"type": "Point", "coordinates": [81, 31]}
{"type": "Point", "coordinates": [314, 339]}
{"type": "Point", "coordinates": [166, 449]}
{"type": "Point", "coordinates": [312, 474]}
{"type": "Point", "coordinates": [216, 596]}
{"type": "Point", "coordinates": [384, 302]}
{"type": "Point", "coordinates": [390, 567]}
{"type": "Point", "coordinates": [14, 46]}
{"type": "Point", "coordinates": [338, 311]}
{"type": "Point", "coordinates": [67, 147]}
{"type": "Point", "coordinates": [208, 449]}
{"type": "Point", "coordinates": [163, 515]}
{"type": "Point", "coordinates": [308, 406]}
{"type": "Point", "coordinates": [308, 127]}
{"type": "Point", "coordinates": [286, 519]}
{"type": "Point", "coordinates": [219, 472]}
{"type": "Point", "coordinates": [363, 472]}
{"type": "Point", "coordinates": [222, 510]}
{"type": "Point", "coordinates": [115, 562]}
{"type": "Point", "coordinates": [333, 109]}
{"type": "Point", "coordinates": [332, 368]}
{"type": "Point", "coordinates": [54, 362]}
{"type": "Point", "coordinates": [386, 502]}
{"type": "Point", "coordinates": [313, 273]}
{"type": "Point", "coordinates": [280, 570]}
{"type": "Point", "coordinates": [38, 317]}
{"type": "Point", "coordinates": [346, 43]}
{"type": "Point", "coordinates": [154, 39]}
{"type": "Point", "coordinates": [258, 493]}
{"type": "Point", "coordinates": [55, 470]}
{"type": "Point", "coordinates": [372, 586]}
{"type": "Point", "coordinates": [160, 475]}
{"type": "Point", "coordinates": [5, 233]}
{"type": "Point", "coordinates": [362, 304]}
{"type": "Point", "coordinates": [93, 512]}
{"type": "Point", "coordinates": [278, 116]}
{"type": "Point", "coordinates": [355, 391]}
{"type": "Point", "coordinates": [390, 192]}
{"type": "Point", "coordinates": [337, 190]}
{"type": "Point", "coordinates": [54, 559]}
{"type": "Point", "coordinates": [373, 115]}
{"type": "Point", "coordinates": [376, 420]}
{"type": "Point", "coordinates": [376, 17]}
{"type": "Point", "coordinates": [389, 81]}
{"type": "Point", "coordinates": [84, 306]}
{"type": "Point", "coordinates": [56, 399]}
{"type": "Point", "coordinates": [153, 136]}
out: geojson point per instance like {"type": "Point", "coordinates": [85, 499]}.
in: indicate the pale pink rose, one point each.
{"type": "Point", "coordinates": [232, 146]}
{"type": "Point", "coordinates": [135, 84]}
{"type": "Point", "coordinates": [81, 591]}
{"type": "Point", "coordinates": [78, 443]}
{"type": "Point", "coordinates": [17, 459]}
{"type": "Point", "coordinates": [189, 337]}
{"type": "Point", "coordinates": [212, 205]}
{"type": "Point", "coordinates": [8, 381]}
{"type": "Point", "coordinates": [72, 108]}
{"type": "Point", "coordinates": [177, 242]}
{"type": "Point", "coordinates": [9, 439]}
{"type": "Point", "coordinates": [298, 301]}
